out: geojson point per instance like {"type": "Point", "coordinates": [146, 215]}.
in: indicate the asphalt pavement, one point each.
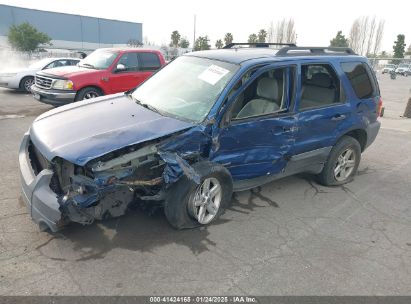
{"type": "Point", "coordinates": [290, 237]}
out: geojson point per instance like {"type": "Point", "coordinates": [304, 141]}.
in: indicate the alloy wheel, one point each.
{"type": "Point", "coordinates": [206, 202]}
{"type": "Point", "coordinates": [91, 94]}
{"type": "Point", "coordinates": [345, 165]}
{"type": "Point", "coordinates": [28, 83]}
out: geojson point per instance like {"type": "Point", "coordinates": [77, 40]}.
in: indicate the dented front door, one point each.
{"type": "Point", "coordinates": [256, 148]}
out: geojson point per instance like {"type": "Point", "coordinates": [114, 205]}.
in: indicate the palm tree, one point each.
{"type": "Point", "coordinates": [228, 38]}
{"type": "Point", "coordinates": [262, 35]}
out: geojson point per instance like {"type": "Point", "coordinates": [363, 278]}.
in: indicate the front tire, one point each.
{"type": "Point", "coordinates": [88, 93]}
{"type": "Point", "coordinates": [189, 205]}
{"type": "Point", "coordinates": [26, 83]}
{"type": "Point", "coordinates": [342, 163]}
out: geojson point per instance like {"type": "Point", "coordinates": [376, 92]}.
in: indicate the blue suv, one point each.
{"type": "Point", "coordinates": [207, 124]}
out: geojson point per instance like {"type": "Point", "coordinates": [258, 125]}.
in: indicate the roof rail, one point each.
{"type": "Point", "coordinates": [257, 44]}
{"type": "Point", "coordinates": [307, 50]}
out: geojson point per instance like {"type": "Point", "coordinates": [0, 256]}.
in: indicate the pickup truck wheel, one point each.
{"type": "Point", "coordinates": [189, 205]}
{"type": "Point", "coordinates": [88, 93]}
{"type": "Point", "coordinates": [26, 83]}
{"type": "Point", "coordinates": [342, 163]}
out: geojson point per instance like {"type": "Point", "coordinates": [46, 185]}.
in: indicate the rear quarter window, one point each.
{"type": "Point", "coordinates": [149, 61]}
{"type": "Point", "coordinates": [361, 79]}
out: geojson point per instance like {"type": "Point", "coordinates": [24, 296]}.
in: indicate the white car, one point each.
{"type": "Point", "coordinates": [389, 68]}
{"type": "Point", "coordinates": [23, 78]}
{"type": "Point", "coordinates": [403, 69]}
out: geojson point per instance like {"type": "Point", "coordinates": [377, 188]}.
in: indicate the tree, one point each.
{"type": "Point", "coordinates": [365, 37]}
{"type": "Point", "coordinates": [283, 32]}
{"type": "Point", "coordinates": [339, 40]}
{"type": "Point", "coordinates": [262, 35]}
{"type": "Point", "coordinates": [252, 38]}
{"type": "Point", "coordinates": [175, 38]}
{"type": "Point", "coordinates": [26, 38]}
{"type": "Point", "coordinates": [134, 43]}
{"type": "Point", "coordinates": [184, 43]}
{"type": "Point", "coordinates": [219, 44]}
{"type": "Point", "coordinates": [202, 43]}
{"type": "Point", "coordinates": [399, 46]}
{"type": "Point", "coordinates": [228, 38]}
{"type": "Point", "coordinates": [383, 55]}
{"type": "Point", "coordinates": [378, 37]}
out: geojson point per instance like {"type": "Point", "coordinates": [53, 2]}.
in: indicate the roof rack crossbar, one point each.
{"type": "Point", "coordinates": [304, 51]}
{"type": "Point", "coordinates": [258, 44]}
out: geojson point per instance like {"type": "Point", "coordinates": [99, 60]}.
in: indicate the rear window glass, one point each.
{"type": "Point", "coordinates": [149, 61]}
{"type": "Point", "coordinates": [359, 76]}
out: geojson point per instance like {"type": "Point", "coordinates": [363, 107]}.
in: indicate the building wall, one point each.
{"type": "Point", "coordinates": [71, 31]}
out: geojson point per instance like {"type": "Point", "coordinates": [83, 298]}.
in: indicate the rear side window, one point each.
{"type": "Point", "coordinates": [149, 61]}
{"type": "Point", "coordinates": [360, 78]}
{"type": "Point", "coordinates": [320, 86]}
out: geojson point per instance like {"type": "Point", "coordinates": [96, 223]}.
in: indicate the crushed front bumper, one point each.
{"type": "Point", "coordinates": [41, 202]}
{"type": "Point", "coordinates": [53, 97]}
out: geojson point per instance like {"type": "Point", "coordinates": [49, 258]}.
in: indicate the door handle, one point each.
{"type": "Point", "coordinates": [338, 117]}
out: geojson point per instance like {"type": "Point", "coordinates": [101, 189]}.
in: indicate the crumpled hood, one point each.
{"type": "Point", "coordinates": [86, 130]}
{"type": "Point", "coordinates": [67, 71]}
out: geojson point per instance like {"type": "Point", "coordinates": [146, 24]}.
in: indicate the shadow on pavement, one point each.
{"type": "Point", "coordinates": [134, 231]}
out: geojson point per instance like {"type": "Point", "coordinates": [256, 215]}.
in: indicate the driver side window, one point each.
{"type": "Point", "coordinates": [265, 95]}
{"type": "Point", "coordinates": [130, 61]}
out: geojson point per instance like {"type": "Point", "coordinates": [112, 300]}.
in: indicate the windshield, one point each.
{"type": "Point", "coordinates": [40, 64]}
{"type": "Point", "coordinates": [186, 88]}
{"type": "Point", "coordinates": [390, 66]}
{"type": "Point", "coordinates": [403, 65]}
{"type": "Point", "coordinates": [99, 59]}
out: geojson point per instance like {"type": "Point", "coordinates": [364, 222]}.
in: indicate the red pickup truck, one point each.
{"type": "Point", "coordinates": [105, 71]}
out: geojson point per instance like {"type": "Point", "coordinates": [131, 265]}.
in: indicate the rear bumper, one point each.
{"type": "Point", "coordinates": [41, 202]}
{"type": "Point", "coordinates": [53, 97]}
{"type": "Point", "coordinates": [372, 131]}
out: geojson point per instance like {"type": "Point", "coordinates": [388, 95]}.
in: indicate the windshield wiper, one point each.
{"type": "Point", "coordinates": [145, 105]}
{"type": "Point", "coordinates": [87, 65]}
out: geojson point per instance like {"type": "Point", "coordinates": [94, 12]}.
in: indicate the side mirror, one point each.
{"type": "Point", "coordinates": [120, 67]}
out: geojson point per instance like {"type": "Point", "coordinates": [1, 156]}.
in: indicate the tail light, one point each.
{"type": "Point", "coordinates": [379, 107]}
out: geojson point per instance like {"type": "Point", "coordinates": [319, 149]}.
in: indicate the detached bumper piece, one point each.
{"type": "Point", "coordinates": [41, 201]}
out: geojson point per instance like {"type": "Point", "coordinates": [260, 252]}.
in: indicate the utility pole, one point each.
{"type": "Point", "coordinates": [194, 39]}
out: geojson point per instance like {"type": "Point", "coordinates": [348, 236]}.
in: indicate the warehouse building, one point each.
{"type": "Point", "coordinates": [72, 32]}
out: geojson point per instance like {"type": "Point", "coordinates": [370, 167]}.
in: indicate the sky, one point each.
{"type": "Point", "coordinates": [316, 21]}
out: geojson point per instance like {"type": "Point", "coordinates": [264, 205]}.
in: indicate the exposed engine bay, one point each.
{"type": "Point", "coordinates": [105, 187]}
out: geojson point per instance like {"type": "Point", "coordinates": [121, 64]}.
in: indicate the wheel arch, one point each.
{"type": "Point", "coordinates": [24, 77]}
{"type": "Point", "coordinates": [358, 134]}
{"type": "Point", "coordinates": [91, 86]}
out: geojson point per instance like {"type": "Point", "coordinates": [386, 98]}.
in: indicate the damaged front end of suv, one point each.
{"type": "Point", "coordinates": [89, 161]}
{"type": "Point", "coordinates": [104, 187]}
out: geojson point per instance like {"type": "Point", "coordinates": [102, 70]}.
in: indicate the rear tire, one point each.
{"type": "Point", "coordinates": [26, 83]}
{"type": "Point", "coordinates": [185, 201]}
{"type": "Point", "coordinates": [88, 93]}
{"type": "Point", "coordinates": [342, 163]}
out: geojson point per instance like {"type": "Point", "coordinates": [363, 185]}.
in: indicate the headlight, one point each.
{"type": "Point", "coordinates": [8, 74]}
{"type": "Point", "coordinates": [62, 85]}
